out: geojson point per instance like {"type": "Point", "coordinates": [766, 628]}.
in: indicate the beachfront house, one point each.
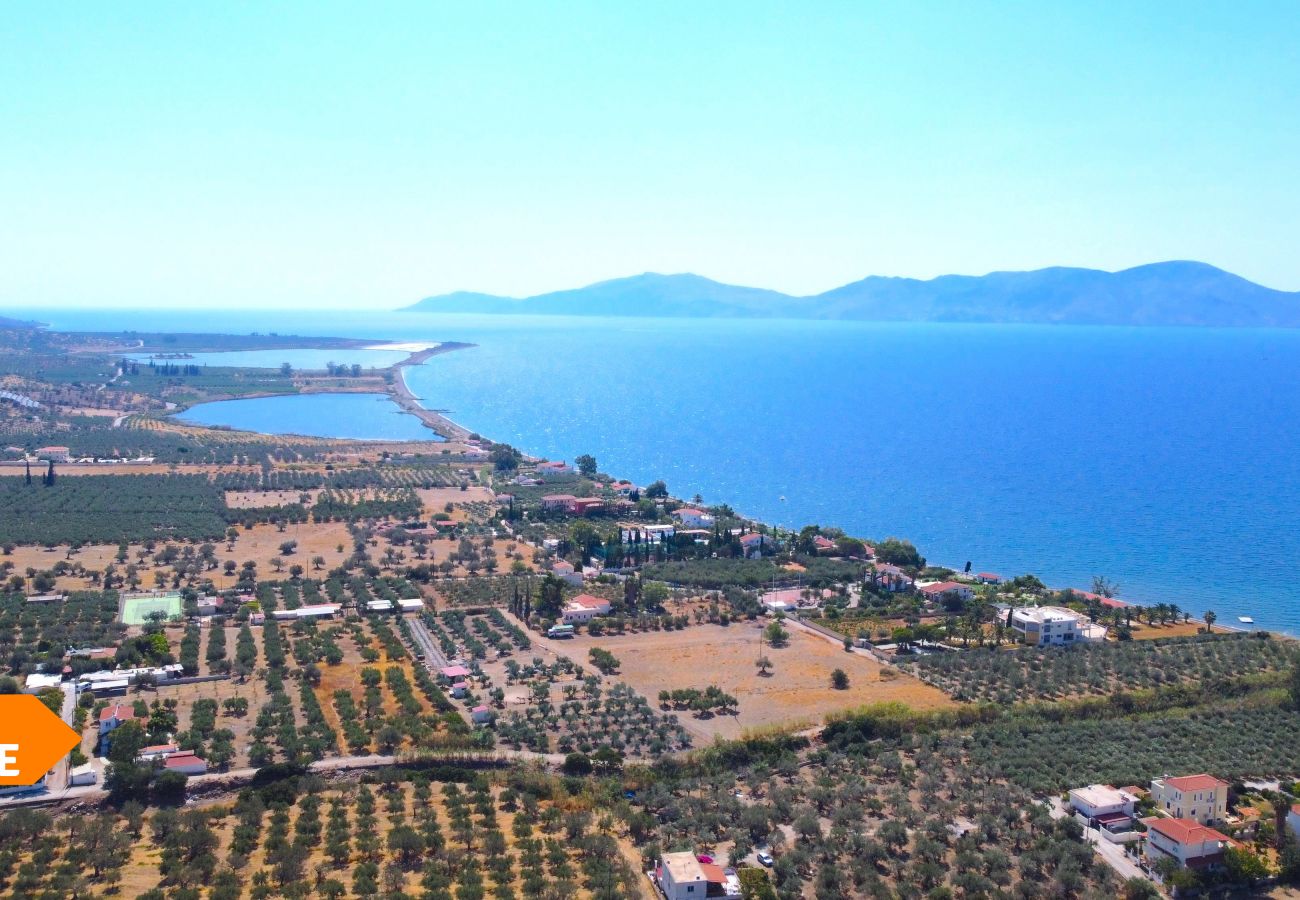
{"type": "Point", "coordinates": [682, 876]}
{"type": "Point", "coordinates": [690, 517]}
{"type": "Point", "coordinates": [584, 608]}
{"type": "Point", "coordinates": [948, 592]}
{"type": "Point", "coordinates": [645, 534]}
{"type": "Point", "coordinates": [1191, 844]}
{"type": "Point", "coordinates": [552, 470]}
{"type": "Point", "coordinates": [1054, 626]}
{"type": "Point", "coordinates": [988, 578]}
{"type": "Point", "coordinates": [1201, 798]}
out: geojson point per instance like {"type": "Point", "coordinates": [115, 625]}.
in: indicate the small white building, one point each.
{"type": "Point", "coordinates": [186, 764]}
{"type": "Point", "coordinates": [1104, 806]}
{"type": "Point", "coordinates": [584, 608]}
{"type": "Point", "coordinates": [410, 604]}
{"type": "Point", "coordinates": [645, 534]}
{"type": "Point", "coordinates": [39, 681]}
{"type": "Point", "coordinates": [319, 611]}
{"type": "Point", "coordinates": [681, 876]}
{"type": "Point", "coordinates": [563, 570]}
{"type": "Point", "coordinates": [379, 606]}
{"type": "Point", "coordinates": [82, 775]}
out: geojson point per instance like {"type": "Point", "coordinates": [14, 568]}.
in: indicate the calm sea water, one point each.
{"type": "Point", "coordinates": [1165, 459]}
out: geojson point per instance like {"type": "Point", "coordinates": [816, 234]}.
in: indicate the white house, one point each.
{"type": "Point", "coordinates": [1193, 845]}
{"type": "Point", "coordinates": [185, 763]}
{"type": "Point", "coordinates": [690, 517]}
{"type": "Point", "coordinates": [38, 681]}
{"type": "Point", "coordinates": [645, 534]}
{"type": "Point", "coordinates": [753, 544]}
{"type": "Point", "coordinates": [557, 469]}
{"type": "Point", "coordinates": [943, 590]}
{"type": "Point", "coordinates": [378, 606]}
{"type": "Point", "coordinates": [681, 876]}
{"type": "Point", "coordinates": [1104, 805]}
{"type": "Point", "coordinates": [1054, 626]}
{"type": "Point", "coordinates": [584, 608]}
{"type": "Point", "coordinates": [82, 775]}
{"type": "Point", "coordinates": [1201, 798]}
{"type": "Point", "coordinates": [564, 570]}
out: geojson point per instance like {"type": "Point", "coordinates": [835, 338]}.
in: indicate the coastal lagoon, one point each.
{"type": "Point", "coordinates": [361, 416]}
{"type": "Point", "coordinates": [1165, 459]}
{"type": "Point", "coordinates": [299, 359]}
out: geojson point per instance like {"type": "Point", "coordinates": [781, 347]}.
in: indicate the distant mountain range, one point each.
{"type": "Point", "coordinates": [1166, 293]}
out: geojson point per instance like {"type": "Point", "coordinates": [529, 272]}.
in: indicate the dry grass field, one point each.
{"type": "Point", "coordinates": [796, 693]}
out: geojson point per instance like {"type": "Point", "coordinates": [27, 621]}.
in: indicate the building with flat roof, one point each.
{"type": "Point", "coordinates": [1054, 626]}
{"type": "Point", "coordinates": [681, 876]}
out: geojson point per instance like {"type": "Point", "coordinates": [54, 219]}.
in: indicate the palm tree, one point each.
{"type": "Point", "coordinates": [1209, 620]}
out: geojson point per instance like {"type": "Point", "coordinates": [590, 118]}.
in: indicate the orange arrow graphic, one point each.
{"type": "Point", "coordinates": [32, 739]}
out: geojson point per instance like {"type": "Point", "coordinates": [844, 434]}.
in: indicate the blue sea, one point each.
{"type": "Point", "coordinates": [1167, 460]}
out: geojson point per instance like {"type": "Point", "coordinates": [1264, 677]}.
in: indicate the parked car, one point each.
{"type": "Point", "coordinates": [765, 859]}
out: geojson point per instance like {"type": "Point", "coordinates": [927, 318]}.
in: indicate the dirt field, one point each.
{"type": "Point", "coordinates": [797, 692]}
{"type": "Point", "coordinates": [1144, 632]}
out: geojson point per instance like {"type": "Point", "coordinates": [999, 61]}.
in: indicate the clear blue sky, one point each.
{"type": "Point", "coordinates": [347, 154]}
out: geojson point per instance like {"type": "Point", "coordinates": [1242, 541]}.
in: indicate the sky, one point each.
{"type": "Point", "coordinates": [367, 155]}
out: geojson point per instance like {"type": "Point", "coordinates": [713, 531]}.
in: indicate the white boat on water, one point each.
{"type": "Point", "coordinates": [1245, 620]}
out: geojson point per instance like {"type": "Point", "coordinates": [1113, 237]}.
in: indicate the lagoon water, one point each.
{"type": "Point", "coordinates": [1165, 459]}
{"type": "Point", "coordinates": [362, 416]}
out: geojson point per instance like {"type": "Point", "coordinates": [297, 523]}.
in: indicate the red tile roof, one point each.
{"type": "Point", "coordinates": [943, 587]}
{"type": "Point", "coordinates": [119, 711]}
{"type": "Point", "coordinates": [1186, 831]}
{"type": "Point", "coordinates": [177, 760]}
{"type": "Point", "coordinates": [1187, 783]}
{"type": "Point", "coordinates": [590, 602]}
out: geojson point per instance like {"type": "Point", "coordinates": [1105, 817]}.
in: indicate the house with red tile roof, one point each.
{"type": "Point", "coordinates": [558, 502]}
{"type": "Point", "coordinates": [890, 577]}
{"type": "Point", "coordinates": [824, 545]}
{"type": "Point", "coordinates": [1191, 844]}
{"type": "Point", "coordinates": [988, 578]}
{"type": "Point", "coordinates": [1201, 798]}
{"type": "Point", "coordinates": [186, 763]}
{"type": "Point", "coordinates": [584, 608]}
{"type": "Point", "coordinates": [113, 715]}
{"type": "Point", "coordinates": [691, 517]}
{"type": "Point", "coordinates": [948, 590]}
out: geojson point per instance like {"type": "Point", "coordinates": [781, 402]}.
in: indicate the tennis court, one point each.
{"type": "Point", "coordinates": [136, 610]}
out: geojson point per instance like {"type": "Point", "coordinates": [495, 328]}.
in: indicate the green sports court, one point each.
{"type": "Point", "coordinates": [136, 610]}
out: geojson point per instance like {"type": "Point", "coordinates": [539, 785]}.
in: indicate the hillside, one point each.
{"type": "Point", "coordinates": [1168, 293]}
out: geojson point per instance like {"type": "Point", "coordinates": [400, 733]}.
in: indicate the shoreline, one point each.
{"type": "Point", "coordinates": [400, 392]}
